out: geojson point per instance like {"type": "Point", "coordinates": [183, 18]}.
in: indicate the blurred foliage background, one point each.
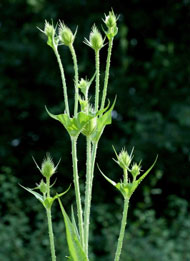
{"type": "Point", "coordinates": [150, 75]}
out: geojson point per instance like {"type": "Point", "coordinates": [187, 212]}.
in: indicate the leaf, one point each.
{"type": "Point", "coordinates": [108, 179]}
{"type": "Point", "coordinates": [36, 194]}
{"type": "Point", "coordinates": [73, 125]}
{"type": "Point", "coordinates": [61, 194]}
{"type": "Point", "coordinates": [102, 121]}
{"type": "Point", "coordinates": [74, 245]}
{"type": "Point", "coordinates": [74, 222]}
{"type": "Point", "coordinates": [146, 173]}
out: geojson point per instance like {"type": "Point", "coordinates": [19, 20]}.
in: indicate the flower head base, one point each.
{"type": "Point", "coordinates": [96, 41]}
{"type": "Point", "coordinates": [123, 159]}
{"type": "Point", "coordinates": [66, 36]}
{"type": "Point", "coordinates": [83, 104]}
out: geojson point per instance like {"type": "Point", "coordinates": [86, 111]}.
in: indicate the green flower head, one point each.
{"type": "Point", "coordinates": [66, 36]}
{"type": "Point", "coordinates": [95, 41]}
{"type": "Point", "coordinates": [124, 159]}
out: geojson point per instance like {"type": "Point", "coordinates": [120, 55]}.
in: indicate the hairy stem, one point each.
{"type": "Point", "coordinates": [63, 80]}
{"type": "Point", "coordinates": [125, 176]}
{"type": "Point", "coordinates": [122, 230]}
{"type": "Point", "coordinates": [87, 195]}
{"type": "Point", "coordinates": [51, 236]}
{"type": "Point", "coordinates": [94, 151]}
{"type": "Point", "coordinates": [73, 53]}
{"type": "Point", "coordinates": [107, 73]}
{"type": "Point", "coordinates": [97, 63]}
{"type": "Point", "coordinates": [77, 190]}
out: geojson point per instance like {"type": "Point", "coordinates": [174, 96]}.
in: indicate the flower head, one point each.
{"type": "Point", "coordinates": [50, 32]}
{"type": "Point", "coordinates": [66, 36]}
{"type": "Point", "coordinates": [110, 20]}
{"type": "Point", "coordinates": [124, 159]}
{"type": "Point", "coordinates": [135, 170]}
{"type": "Point", "coordinates": [111, 24]}
{"type": "Point", "coordinates": [95, 41]}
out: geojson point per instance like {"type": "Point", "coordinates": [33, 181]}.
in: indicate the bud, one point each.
{"type": "Point", "coordinates": [48, 168]}
{"type": "Point", "coordinates": [135, 170]}
{"type": "Point", "coordinates": [83, 86]}
{"type": "Point", "coordinates": [96, 41]}
{"type": "Point", "coordinates": [123, 159]}
{"type": "Point", "coordinates": [49, 29]}
{"type": "Point", "coordinates": [111, 23]}
{"type": "Point", "coordinates": [110, 20]}
{"type": "Point", "coordinates": [66, 36]}
{"type": "Point", "coordinates": [43, 187]}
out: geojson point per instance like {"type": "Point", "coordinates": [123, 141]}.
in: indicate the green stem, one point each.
{"type": "Point", "coordinates": [48, 186]}
{"type": "Point", "coordinates": [87, 195]}
{"type": "Point", "coordinates": [73, 53]}
{"type": "Point", "coordinates": [94, 151]}
{"type": "Point", "coordinates": [97, 63]}
{"type": "Point", "coordinates": [63, 80]}
{"type": "Point", "coordinates": [122, 230]}
{"type": "Point", "coordinates": [51, 236]}
{"type": "Point", "coordinates": [107, 73]}
{"type": "Point", "coordinates": [77, 189]}
{"type": "Point", "coordinates": [125, 174]}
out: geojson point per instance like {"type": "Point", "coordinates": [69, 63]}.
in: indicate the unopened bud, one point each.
{"type": "Point", "coordinates": [48, 168]}
{"type": "Point", "coordinates": [43, 187]}
{"type": "Point", "coordinates": [135, 170]}
{"type": "Point", "coordinates": [110, 20]}
{"type": "Point", "coordinates": [83, 85]}
{"type": "Point", "coordinates": [96, 41]}
{"type": "Point", "coordinates": [111, 23]}
{"type": "Point", "coordinates": [49, 29]}
{"type": "Point", "coordinates": [66, 36]}
{"type": "Point", "coordinates": [124, 159]}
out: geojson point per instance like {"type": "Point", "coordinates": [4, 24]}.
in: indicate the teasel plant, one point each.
{"type": "Point", "coordinates": [89, 117]}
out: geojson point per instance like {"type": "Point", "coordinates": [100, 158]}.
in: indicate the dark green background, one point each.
{"type": "Point", "coordinates": [150, 75]}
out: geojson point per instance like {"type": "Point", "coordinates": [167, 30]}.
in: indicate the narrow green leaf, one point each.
{"type": "Point", "coordinates": [61, 194]}
{"type": "Point", "coordinates": [146, 173]}
{"type": "Point", "coordinates": [36, 194]}
{"type": "Point", "coordinates": [74, 222]}
{"type": "Point", "coordinates": [74, 245]}
{"type": "Point", "coordinates": [108, 179]}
